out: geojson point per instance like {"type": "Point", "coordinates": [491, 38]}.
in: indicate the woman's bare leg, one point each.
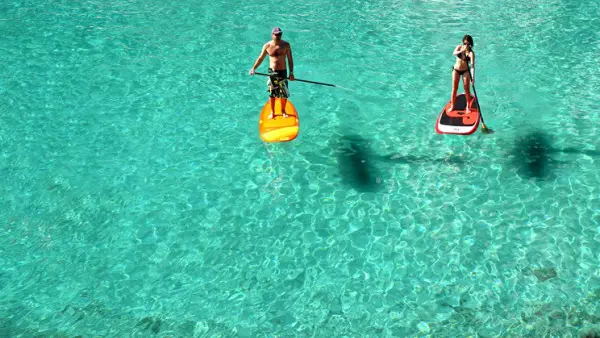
{"type": "Point", "coordinates": [455, 80]}
{"type": "Point", "coordinates": [467, 87]}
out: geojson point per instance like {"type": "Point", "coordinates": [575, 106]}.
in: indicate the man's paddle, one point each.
{"type": "Point", "coordinates": [484, 128]}
{"type": "Point", "coordinates": [319, 83]}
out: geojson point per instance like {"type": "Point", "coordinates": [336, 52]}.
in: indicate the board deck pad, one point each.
{"type": "Point", "coordinates": [458, 121]}
{"type": "Point", "coordinates": [279, 128]}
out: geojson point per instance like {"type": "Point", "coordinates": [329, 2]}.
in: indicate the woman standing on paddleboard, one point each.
{"type": "Point", "coordinates": [464, 54]}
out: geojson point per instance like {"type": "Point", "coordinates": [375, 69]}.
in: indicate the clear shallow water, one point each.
{"type": "Point", "coordinates": [137, 198]}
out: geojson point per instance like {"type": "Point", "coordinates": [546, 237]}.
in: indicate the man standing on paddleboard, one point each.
{"type": "Point", "coordinates": [464, 54]}
{"type": "Point", "coordinates": [278, 51]}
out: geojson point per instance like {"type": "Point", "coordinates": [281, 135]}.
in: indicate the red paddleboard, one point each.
{"type": "Point", "coordinates": [458, 121]}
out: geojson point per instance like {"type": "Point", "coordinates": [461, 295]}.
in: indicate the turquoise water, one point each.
{"type": "Point", "coordinates": [137, 199]}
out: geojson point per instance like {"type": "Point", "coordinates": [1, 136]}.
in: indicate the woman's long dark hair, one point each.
{"type": "Point", "coordinates": [469, 39]}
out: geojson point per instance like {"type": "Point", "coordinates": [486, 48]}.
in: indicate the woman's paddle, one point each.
{"type": "Point", "coordinates": [319, 83]}
{"type": "Point", "coordinates": [484, 128]}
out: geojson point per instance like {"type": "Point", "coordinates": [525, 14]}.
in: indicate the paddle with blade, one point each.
{"type": "Point", "coordinates": [484, 128]}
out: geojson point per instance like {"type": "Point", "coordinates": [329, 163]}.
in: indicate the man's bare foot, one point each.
{"type": "Point", "coordinates": [283, 114]}
{"type": "Point", "coordinates": [272, 115]}
{"type": "Point", "coordinates": [451, 108]}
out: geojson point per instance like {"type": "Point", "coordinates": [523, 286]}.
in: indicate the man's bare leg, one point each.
{"type": "Point", "coordinates": [272, 100]}
{"type": "Point", "coordinates": [283, 104]}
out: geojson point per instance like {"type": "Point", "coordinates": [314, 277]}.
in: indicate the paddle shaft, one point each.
{"type": "Point", "coordinates": [319, 83]}
{"type": "Point", "coordinates": [475, 92]}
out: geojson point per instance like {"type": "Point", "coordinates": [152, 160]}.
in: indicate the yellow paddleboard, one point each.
{"type": "Point", "coordinates": [279, 128]}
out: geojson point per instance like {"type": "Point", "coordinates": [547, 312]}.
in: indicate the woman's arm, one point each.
{"type": "Point", "coordinates": [472, 67]}
{"type": "Point", "coordinates": [457, 50]}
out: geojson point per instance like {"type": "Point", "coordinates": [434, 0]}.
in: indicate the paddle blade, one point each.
{"type": "Point", "coordinates": [486, 130]}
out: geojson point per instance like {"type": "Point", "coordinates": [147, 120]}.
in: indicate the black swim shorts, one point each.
{"type": "Point", "coordinates": [278, 84]}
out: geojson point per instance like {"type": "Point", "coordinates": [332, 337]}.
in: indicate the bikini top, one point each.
{"type": "Point", "coordinates": [463, 56]}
